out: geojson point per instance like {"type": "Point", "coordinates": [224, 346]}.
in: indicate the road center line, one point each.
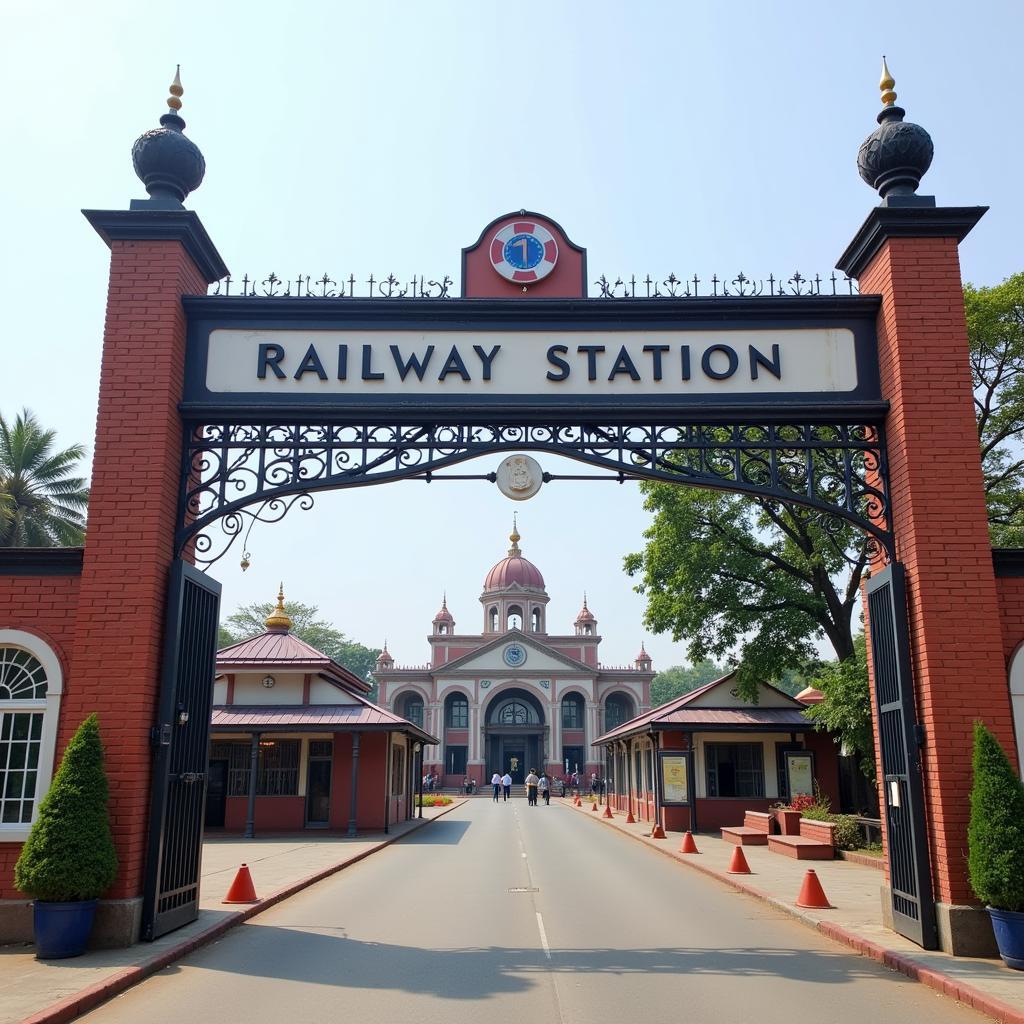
{"type": "Point", "coordinates": [543, 936]}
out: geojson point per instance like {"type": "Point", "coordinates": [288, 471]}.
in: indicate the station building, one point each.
{"type": "Point", "coordinates": [514, 696]}
{"type": "Point", "coordinates": [296, 743]}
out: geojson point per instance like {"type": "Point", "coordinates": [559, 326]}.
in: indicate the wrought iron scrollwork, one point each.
{"type": "Point", "coordinates": [305, 286]}
{"type": "Point", "coordinates": [715, 287]}
{"type": "Point", "coordinates": [239, 474]}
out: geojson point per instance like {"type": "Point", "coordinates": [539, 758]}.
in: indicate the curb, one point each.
{"type": "Point", "coordinates": [73, 1006]}
{"type": "Point", "coordinates": [942, 983]}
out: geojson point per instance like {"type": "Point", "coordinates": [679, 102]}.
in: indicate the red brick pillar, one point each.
{"type": "Point", "coordinates": [908, 255]}
{"type": "Point", "coordinates": [156, 258]}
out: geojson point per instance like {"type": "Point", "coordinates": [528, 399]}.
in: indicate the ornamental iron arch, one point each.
{"type": "Point", "coordinates": [239, 475]}
{"type": "Point", "coordinates": [250, 456]}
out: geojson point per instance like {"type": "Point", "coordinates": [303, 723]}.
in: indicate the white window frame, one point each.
{"type": "Point", "coordinates": [50, 706]}
{"type": "Point", "coordinates": [1016, 679]}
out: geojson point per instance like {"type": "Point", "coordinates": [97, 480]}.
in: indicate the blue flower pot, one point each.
{"type": "Point", "coordinates": [1009, 928]}
{"type": "Point", "coordinates": [62, 929]}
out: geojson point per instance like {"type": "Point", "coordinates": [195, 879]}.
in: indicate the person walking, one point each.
{"type": "Point", "coordinates": [506, 786]}
{"type": "Point", "coordinates": [545, 788]}
{"type": "Point", "coordinates": [496, 783]}
{"type": "Point", "coordinates": [532, 781]}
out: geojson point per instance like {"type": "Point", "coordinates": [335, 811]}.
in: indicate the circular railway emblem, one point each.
{"type": "Point", "coordinates": [524, 252]}
{"type": "Point", "coordinates": [514, 655]}
{"type": "Point", "coordinates": [519, 477]}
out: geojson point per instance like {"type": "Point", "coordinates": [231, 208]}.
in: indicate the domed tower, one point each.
{"type": "Point", "coordinates": [586, 624]}
{"type": "Point", "coordinates": [384, 659]}
{"type": "Point", "coordinates": [643, 660]}
{"type": "Point", "coordinates": [444, 622]}
{"type": "Point", "coordinates": [514, 596]}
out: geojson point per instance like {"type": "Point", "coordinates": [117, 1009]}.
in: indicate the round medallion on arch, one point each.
{"type": "Point", "coordinates": [524, 251]}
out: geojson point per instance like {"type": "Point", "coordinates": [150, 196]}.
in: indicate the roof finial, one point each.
{"type": "Point", "coordinates": [278, 618]}
{"type": "Point", "coordinates": [584, 599]}
{"type": "Point", "coordinates": [514, 552]}
{"type": "Point", "coordinates": [174, 100]}
{"type": "Point", "coordinates": [887, 85]}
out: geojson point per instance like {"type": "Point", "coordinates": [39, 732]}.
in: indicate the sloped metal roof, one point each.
{"type": "Point", "coordinates": [313, 717]}
{"type": "Point", "coordinates": [676, 713]}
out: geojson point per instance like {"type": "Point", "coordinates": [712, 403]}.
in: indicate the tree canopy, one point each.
{"type": "Point", "coordinates": [250, 619]}
{"type": "Point", "coordinates": [995, 328]}
{"type": "Point", "coordinates": [679, 679]}
{"type": "Point", "coordinates": [846, 709]}
{"type": "Point", "coordinates": [747, 581]}
{"type": "Point", "coordinates": [41, 503]}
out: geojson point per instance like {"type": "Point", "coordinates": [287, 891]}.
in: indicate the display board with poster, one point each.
{"type": "Point", "coordinates": [675, 778]}
{"type": "Point", "coordinates": [800, 774]}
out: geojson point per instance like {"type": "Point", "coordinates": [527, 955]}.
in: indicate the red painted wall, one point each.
{"type": "Point", "coordinates": [941, 529]}
{"type": "Point", "coordinates": [117, 646]}
{"type": "Point", "coordinates": [273, 813]}
{"type": "Point", "coordinates": [44, 606]}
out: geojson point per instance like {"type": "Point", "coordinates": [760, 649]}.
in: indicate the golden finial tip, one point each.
{"type": "Point", "coordinates": [887, 85]}
{"type": "Point", "coordinates": [279, 618]}
{"type": "Point", "coordinates": [174, 100]}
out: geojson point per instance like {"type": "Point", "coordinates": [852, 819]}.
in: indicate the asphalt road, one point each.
{"type": "Point", "coordinates": [502, 913]}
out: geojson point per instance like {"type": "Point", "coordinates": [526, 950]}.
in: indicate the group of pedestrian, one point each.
{"type": "Point", "coordinates": [502, 786]}
{"type": "Point", "coordinates": [536, 785]}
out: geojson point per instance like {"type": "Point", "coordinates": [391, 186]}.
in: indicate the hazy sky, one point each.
{"type": "Point", "coordinates": [382, 137]}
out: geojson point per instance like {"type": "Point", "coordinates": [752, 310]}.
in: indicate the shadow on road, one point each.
{"type": "Point", "coordinates": [325, 957]}
{"type": "Point", "coordinates": [441, 833]}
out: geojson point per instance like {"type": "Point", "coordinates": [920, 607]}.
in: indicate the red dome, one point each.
{"type": "Point", "coordinates": [514, 569]}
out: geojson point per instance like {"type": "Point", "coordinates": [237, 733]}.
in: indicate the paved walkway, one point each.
{"type": "Point", "coordinates": [853, 890]}
{"type": "Point", "coordinates": [36, 991]}
{"type": "Point", "coordinates": [53, 991]}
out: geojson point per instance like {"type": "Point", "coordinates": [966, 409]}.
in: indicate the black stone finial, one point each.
{"type": "Point", "coordinates": [168, 164]}
{"type": "Point", "coordinates": [896, 155]}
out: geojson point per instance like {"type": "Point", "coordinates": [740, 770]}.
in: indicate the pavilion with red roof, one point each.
{"type": "Point", "coordinates": [701, 760]}
{"type": "Point", "coordinates": [296, 743]}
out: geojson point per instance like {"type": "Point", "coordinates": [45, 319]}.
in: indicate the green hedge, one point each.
{"type": "Point", "coordinates": [69, 854]}
{"type": "Point", "coordinates": [995, 836]}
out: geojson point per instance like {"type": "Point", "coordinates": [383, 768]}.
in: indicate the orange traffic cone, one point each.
{"type": "Point", "coordinates": [688, 845]}
{"type": "Point", "coordinates": [738, 865]}
{"type": "Point", "coordinates": [657, 832]}
{"type": "Point", "coordinates": [242, 889]}
{"type": "Point", "coordinates": [607, 811]}
{"type": "Point", "coordinates": [630, 820]}
{"type": "Point", "coordinates": [593, 806]}
{"type": "Point", "coordinates": [812, 895]}
{"type": "Point", "coordinates": [577, 802]}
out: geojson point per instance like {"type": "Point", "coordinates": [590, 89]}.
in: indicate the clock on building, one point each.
{"type": "Point", "coordinates": [514, 655]}
{"type": "Point", "coordinates": [268, 681]}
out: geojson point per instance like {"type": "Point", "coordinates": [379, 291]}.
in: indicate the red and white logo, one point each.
{"type": "Point", "coordinates": [524, 252]}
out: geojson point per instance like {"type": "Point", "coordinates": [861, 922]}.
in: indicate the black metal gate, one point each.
{"type": "Point", "coordinates": [181, 739]}
{"type": "Point", "coordinates": [913, 908]}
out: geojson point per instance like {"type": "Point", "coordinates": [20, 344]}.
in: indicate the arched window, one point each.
{"type": "Point", "coordinates": [515, 617]}
{"type": "Point", "coordinates": [516, 713]}
{"type": "Point", "coordinates": [618, 708]}
{"type": "Point", "coordinates": [535, 620]}
{"type": "Point", "coordinates": [494, 620]}
{"type": "Point", "coordinates": [412, 709]}
{"type": "Point", "coordinates": [588, 629]}
{"type": "Point", "coordinates": [457, 712]}
{"type": "Point", "coordinates": [442, 629]}
{"type": "Point", "coordinates": [30, 689]}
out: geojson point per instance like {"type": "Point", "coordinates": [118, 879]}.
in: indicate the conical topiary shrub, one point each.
{"type": "Point", "coordinates": [995, 836]}
{"type": "Point", "coordinates": [69, 854]}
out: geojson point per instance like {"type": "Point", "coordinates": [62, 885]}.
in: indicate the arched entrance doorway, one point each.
{"type": "Point", "coordinates": [515, 733]}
